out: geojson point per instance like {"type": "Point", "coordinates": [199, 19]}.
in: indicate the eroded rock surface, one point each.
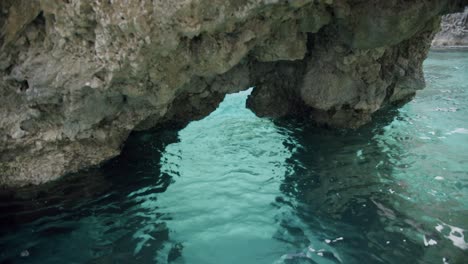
{"type": "Point", "coordinates": [454, 31]}
{"type": "Point", "coordinates": [76, 77]}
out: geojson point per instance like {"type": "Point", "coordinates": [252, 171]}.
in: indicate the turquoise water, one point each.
{"type": "Point", "coordinates": [234, 188]}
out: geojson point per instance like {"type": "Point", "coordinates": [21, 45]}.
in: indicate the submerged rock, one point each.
{"type": "Point", "coordinates": [76, 77]}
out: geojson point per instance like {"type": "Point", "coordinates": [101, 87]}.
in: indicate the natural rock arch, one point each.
{"type": "Point", "coordinates": [78, 76]}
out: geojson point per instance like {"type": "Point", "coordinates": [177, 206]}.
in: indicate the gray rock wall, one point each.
{"type": "Point", "coordinates": [77, 76]}
{"type": "Point", "coordinates": [454, 31]}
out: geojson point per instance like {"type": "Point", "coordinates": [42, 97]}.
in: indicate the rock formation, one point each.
{"type": "Point", "coordinates": [454, 31]}
{"type": "Point", "coordinates": [77, 76]}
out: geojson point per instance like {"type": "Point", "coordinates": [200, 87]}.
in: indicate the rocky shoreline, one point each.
{"type": "Point", "coordinates": [77, 77]}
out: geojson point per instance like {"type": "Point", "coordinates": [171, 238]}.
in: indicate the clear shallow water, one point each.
{"type": "Point", "coordinates": [234, 188]}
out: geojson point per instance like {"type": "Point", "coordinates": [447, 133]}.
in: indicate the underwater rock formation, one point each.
{"type": "Point", "coordinates": [76, 77]}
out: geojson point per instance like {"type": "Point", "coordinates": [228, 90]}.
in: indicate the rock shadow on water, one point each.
{"type": "Point", "coordinates": [345, 204]}
{"type": "Point", "coordinates": [97, 212]}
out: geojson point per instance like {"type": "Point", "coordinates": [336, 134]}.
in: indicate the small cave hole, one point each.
{"type": "Point", "coordinates": [9, 69]}
{"type": "Point", "coordinates": [24, 85]}
{"type": "Point", "coordinates": [101, 75]}
{"type": "Point", "coordinates": [40, 19]}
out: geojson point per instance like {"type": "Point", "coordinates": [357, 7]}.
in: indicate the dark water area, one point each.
{"type": "Point", "coordinates": [235, 188]}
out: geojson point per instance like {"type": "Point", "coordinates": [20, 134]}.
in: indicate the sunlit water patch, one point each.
{"type": "Point", "coordinates": [234, 188]}
{"type": "Point", "coordinates": [227, 170]}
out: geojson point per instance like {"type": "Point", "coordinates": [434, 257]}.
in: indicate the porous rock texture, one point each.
{"type": "Point", "coordinates": [454, 31]}
{"type": "Point", "coordinates": [77, 76]}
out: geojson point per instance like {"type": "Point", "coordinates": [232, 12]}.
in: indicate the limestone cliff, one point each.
{"type": "Point", "coordinates": [454, 31]}
{"type": "Point", "coordinates": [77, 76]}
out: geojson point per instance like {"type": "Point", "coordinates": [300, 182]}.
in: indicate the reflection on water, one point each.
{"type": "Point", "coordinates": [234, 188]}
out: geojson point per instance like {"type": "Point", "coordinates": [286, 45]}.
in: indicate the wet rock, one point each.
{"type": "Point", "coordinates": [345, 78]}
